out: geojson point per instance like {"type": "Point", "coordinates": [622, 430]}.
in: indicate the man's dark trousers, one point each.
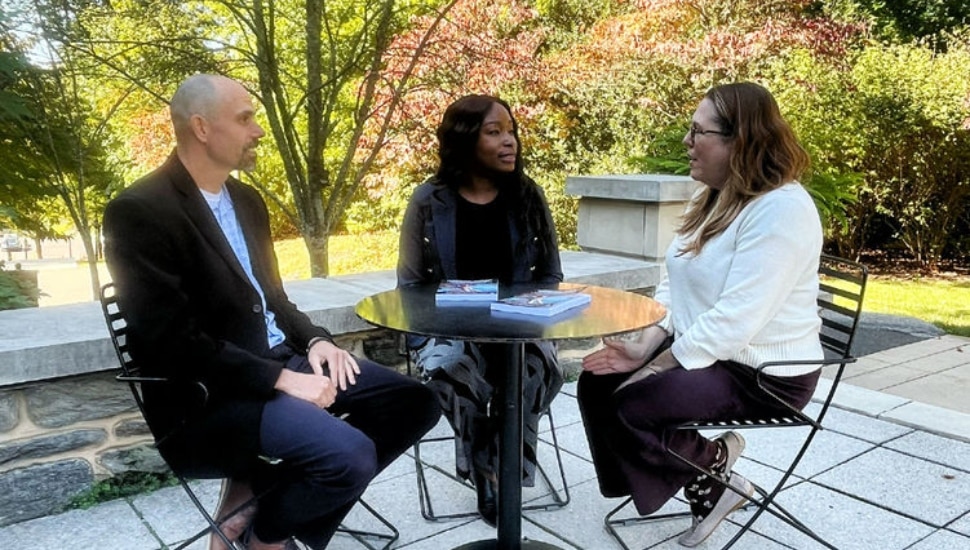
{"type": "Point", "coordinates": [335, 452]}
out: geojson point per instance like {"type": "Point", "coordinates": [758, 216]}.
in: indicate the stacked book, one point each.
{"type": "Point", "coordinates": [462, 291]}
{"type": "Point", "coordinates": [542, 303]}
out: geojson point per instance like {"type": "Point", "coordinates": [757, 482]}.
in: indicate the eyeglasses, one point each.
{"type": "Point", "coordinates": [694, 131]}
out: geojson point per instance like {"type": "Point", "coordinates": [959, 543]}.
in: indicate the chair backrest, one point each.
{"type": "Point", "coordinates": [131, 372]}
{"type": "Point", "coordinates": [842, 285]}
{"type": "Point", "coordinates": [117, 328]}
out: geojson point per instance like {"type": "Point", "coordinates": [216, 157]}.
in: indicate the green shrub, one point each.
{"type": "Point", "coordinates": [17, 290]}
{"type": "Point", "coordinates": [665, 154]}
{"type": "Point", "coordinates": [887, 125]}
{"type": "Point", "coordinates": [122, 485]}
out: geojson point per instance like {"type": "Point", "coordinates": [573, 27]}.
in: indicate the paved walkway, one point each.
{"type": "Point", "coordinates": [892, 472]}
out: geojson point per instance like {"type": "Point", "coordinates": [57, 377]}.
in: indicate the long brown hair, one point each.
{"type": "Point", "coordinates": [765, 154]}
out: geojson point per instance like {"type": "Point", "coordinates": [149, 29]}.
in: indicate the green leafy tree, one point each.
{"type": "Point", "coordinates": [891, 122]}
{"type": "Point", "coordinates": [623, 95]}
{"type": "Point", "coordinates": [933, 21]}
{"type": "Point", "coordinates": [479, 47]}
{"type": "Point", "coordinates": [596, 87]}
{"type": "Point", "coordinates": [315, 67]}
{"type": "Point", "coordinates": [61, 132]}
{"type": "Point", "coordinates": [20, 170]}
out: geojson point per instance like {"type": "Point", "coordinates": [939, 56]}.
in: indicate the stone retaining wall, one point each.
{"type": "Point", "coordinates": [61, 436]}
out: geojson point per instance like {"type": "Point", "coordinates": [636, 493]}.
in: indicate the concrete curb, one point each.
{"type": "Point", "coordinates": [899, 410]}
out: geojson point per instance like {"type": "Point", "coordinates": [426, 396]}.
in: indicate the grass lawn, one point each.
{"type": "Point", "coordinates": [945, 302]}
{"type": "Point", "coordinates": [348, 254]}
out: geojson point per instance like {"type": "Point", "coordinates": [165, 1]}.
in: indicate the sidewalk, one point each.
{"type": "Point", "coordinates": [891, 472]}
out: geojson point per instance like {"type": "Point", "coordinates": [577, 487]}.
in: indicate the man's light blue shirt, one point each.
{"type": "Point", "coordinates": [222, 208]}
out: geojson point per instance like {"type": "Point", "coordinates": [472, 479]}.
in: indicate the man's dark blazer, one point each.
{"type": "Point", "coordinates": [194, 316]}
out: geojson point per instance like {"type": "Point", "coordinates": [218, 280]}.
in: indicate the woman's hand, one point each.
{"type": "Point", "coordinates": [664, 361]}
{"type": "Point", "coordinates": [624, 356]}
{"type": "Point", "coordinates": [616, 356]}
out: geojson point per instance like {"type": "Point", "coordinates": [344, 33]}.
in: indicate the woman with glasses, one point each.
{"type": "Point", "coordinates": [740, 290]}
{"type": "Point", "coordinates": [481, 217]}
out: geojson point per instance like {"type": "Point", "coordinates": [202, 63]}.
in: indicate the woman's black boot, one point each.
{"type": "Point", "coordinates": [487, 504]}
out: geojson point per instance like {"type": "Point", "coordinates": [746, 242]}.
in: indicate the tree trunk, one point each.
{"type": "Point", "coordinates": [98, 247]}
{"type": "Point", "coordinates": [317, 246]}
{"type": "Point", "coordinates": [92, 264]}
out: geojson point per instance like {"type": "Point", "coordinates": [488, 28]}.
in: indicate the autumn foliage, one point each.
{"type": "Point", "coordinates": [480, 47]}
{"type": "Point", "coordinates": [601, 93]}
{"type": "Point", "coordinates": [608, 86]}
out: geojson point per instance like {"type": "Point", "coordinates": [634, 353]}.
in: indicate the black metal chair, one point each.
{"type": "Point", "coordinates": [841, 290]}
{"type": "Point", "coordinates": [555, 499]}
{"type": "Point", "coordinates": [131, 374]}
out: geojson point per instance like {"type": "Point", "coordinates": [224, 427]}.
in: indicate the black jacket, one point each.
{"type": "Point", "coordinates": [193, 314]}
{"type": "Point", "coordinates": [427, 249]}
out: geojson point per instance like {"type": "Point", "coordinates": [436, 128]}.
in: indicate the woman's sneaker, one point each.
{"type": "Point", "coordinates": [734, 444]}
{"type": "Point", "coordinates": [698, 491]}
{"type": "Point", "coordinates": [729, 502]}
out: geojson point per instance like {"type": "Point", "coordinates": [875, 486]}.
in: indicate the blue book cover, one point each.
{"type": "Point", "coordinates": [544, 303]}
{"type": "Point", "coordinates": [464, 291]}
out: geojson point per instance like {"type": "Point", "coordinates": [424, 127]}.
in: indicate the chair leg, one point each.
{"type": "Point", "coordinates": [611, 524]}
{"type": "Point", "coordinates": [213, 527]}
{"type": "Point", "coordinates": [424, 492]}
{"type": "Point", "coordinates": [765, 502]}
{"type": "Point", "coordinates": [365, 537]}
{"type": "Point", "coordinates": [559, 499]}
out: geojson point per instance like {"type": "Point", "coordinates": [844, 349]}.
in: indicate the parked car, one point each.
{"type": "Point", "coordinates": [13, 243]}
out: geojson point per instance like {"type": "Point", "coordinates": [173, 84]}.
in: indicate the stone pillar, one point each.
{"type": "Point", "coordinates": [629, 215]}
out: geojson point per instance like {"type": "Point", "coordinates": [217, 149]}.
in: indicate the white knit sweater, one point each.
{"type": "Point", "coordinates": [750, 295]}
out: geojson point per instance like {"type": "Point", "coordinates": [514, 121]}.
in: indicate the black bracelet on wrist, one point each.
{"type": "Point", "coordinates": [311, 343]}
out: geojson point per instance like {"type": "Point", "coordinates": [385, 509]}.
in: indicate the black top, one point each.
{"type": "Point", "coordinates": [483, 248]}
{"type": "Point", "coordinates": [428, 242]}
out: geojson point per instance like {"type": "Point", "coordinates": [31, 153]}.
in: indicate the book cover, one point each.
{"type": "Point", "coordinates": [544, 303]}
{"type": "Point", "coordinates": [464, 291]}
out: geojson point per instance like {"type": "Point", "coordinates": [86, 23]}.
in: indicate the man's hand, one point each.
{"type": "Point", "coordinates": [315, 388]}
{"type": "Point", "coordinates": [343, 367]}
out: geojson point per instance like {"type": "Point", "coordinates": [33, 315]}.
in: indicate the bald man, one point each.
{"type": "Point", "coordinates": [190, 252]}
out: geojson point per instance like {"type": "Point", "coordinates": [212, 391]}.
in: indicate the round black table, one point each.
{"type": "Point", "coordinates": [413, 310]}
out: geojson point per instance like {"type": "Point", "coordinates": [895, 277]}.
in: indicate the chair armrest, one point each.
{"type": "Point", "coordinates": [138, 379]}
{"type": "Point", "coordinates": [135, 380]}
